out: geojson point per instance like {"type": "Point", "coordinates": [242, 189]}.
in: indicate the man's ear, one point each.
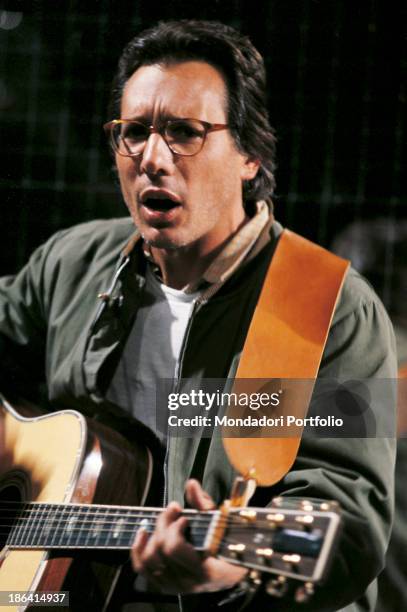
{"type": "Point", "coordinates": [250, 168]}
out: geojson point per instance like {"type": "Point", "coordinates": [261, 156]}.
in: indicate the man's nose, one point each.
{"type": "Point", "coordinates": [156, 157]}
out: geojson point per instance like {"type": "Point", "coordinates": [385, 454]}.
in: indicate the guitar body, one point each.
{"type": "Point", "coordinates": [60, 458]}
{"type": "Point", "coordinates": [72, 499]}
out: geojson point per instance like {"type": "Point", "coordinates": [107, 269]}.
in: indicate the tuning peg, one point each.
{"type": "Point", "coordinates": [255, 577]}
{"type": "Point", "coordinates": [277, 587]}
{"type": "Point", "coordinates": [331, 505]}
{"type": "Point", "coordinates": [249, 515]}
{"type": "Point", "coordinates": [265, 554]}
{"type": "Point", "coordinates": [305, 519]}
{"type": "Point", "coordinates": [304, 592]}
{"type": "Point", "coordinates": [275, 517]}
{"type": "Point", "coordinates": [292, 559]}
{"type": "Point", "coordinates": [236, 550]}
{"type": "Point", "coordinates": [306, 505]}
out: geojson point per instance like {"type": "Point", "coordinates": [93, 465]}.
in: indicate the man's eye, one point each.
{"type": "Point", "coordinates": [134, 132]}
{"type": "Point", "coordinates": [183, 131]}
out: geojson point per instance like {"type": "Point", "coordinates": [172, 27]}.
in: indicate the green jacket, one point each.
{"type": "Point", "coordinates": [54, 326]}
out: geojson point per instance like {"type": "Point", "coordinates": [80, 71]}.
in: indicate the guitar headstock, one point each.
{"type": "Point", "coordinates": [293, 539]}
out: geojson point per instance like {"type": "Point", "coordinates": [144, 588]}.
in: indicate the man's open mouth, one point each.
{"type": "Point", "coordinates": [161, 205]}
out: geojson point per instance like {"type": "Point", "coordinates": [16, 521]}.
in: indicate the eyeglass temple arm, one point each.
{"type": "Point", "coordinates": [215, 127]}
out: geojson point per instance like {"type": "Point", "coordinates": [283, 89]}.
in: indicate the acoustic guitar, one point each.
{"type": "Point", "coordinates": [71, 502]}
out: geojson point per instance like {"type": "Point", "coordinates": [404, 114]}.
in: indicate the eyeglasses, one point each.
{"type": "Point", "coordinates": [182, 136]}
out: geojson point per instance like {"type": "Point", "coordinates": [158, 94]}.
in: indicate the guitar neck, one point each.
{"type": "Point", "coordinates": [85, 526]}
{"type": "Point", "coordinates": [292, 539]}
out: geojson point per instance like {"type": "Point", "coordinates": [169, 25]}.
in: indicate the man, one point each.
{"type": "Point", "coordinates": [194, 154]}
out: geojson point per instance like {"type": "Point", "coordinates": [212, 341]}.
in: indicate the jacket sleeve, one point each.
{"type": "Point", "coordinates": [23, 329]}
{"type": "Point", "coordinates": [357, 472]}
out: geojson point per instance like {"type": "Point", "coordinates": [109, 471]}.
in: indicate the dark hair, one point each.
{"type": "Point", "coordinates": [242, 68]}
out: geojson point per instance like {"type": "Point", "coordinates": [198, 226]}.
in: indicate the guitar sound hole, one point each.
{"type": "Point", "coordinates": [10, 506]}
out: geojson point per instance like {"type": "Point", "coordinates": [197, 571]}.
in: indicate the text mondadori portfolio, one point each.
{"type": "Point", "coordinates": [253, 421]}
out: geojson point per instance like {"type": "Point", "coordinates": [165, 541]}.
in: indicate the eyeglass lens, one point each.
{"type": "Point", "coordinates": [183, 136]}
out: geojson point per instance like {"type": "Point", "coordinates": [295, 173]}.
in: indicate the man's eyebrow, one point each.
{"type": "Point", "coordinates": [143, 117]}
{"type": "Point", "coordinates": [165, 116]}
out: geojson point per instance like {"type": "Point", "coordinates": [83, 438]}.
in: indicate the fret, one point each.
{"type": "Point", "coordinates": [147, 522]}
{"type": "Point", "coordinates": [33, 516]}
{"type": "Point", "coordinates": [17, 533]}
{"type": "Point", "coordinates": [133, 526]}
{"type": "Point", "coordinates": [128, 534]}
{"type": "Point", "coordinates": [32, 527]}
{"type": "Point", "coordinates": [55, 533]}
{"type": "Point", "coordinates": [117, 527]}
{"type": "Point", "coordinates": [36, 518]}
{"type": "Point", "coordinates": [85, 531]}
{"type": "Point", "coordinates": [46, 532]}
{"type": "Point", "coordinates": [71, 526]}
{"type": "Point", "coordinates": [109, 522]}
{"type": "Point", "coordinates": [29, 524]}
{"type": "Point", "coordinates": [198, 531]}
{"type": "Point", "coordinates": [99, 527]}
{"type": "Point", "coordinates": [62, 534]}
{"type": "Point", "coordinates": [79, 532]}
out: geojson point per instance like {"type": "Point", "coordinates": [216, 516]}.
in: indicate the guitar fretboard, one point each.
{"type": "Point", "coordinates": [50, 526]}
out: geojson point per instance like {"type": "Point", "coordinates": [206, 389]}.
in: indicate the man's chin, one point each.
{"type": "Point", "coordinates": [164, 242]}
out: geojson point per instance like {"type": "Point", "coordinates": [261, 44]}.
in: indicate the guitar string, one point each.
{"type": "Point", "coordinates": [123, 532]}
{"type": "Point", "coordinates": [128, 526]}
{"type": "Point", "coordinates": [59, 524]}
{"type": "Point", "coordinates": [225, 542]}
{"type": "Point", "coordinates": [94, 507]}
{"type": "Point", "coordinates": [84, 520]}
{"type": "Point", "coordinates": [123, 540]}
{"type": "Point", "coordinates": [90, 512]}
{"type": "Point", "coordinates": [136, 511]}
{"type": "Point", "coordinates": [109, 522]}
{"type": "Point", "coordinates": [127, 533]}
{"type": "Point", "coordinates": [88, 517]}
{"type": "Point", "coordinates": [112, 507]}
{"type": "Point", "coordinates": [60, 530]}
{"type": "Point", "coordinates": [85, 514]}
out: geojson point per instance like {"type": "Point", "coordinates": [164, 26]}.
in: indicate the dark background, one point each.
{"type": "Point", "coordinates": [337, 98]}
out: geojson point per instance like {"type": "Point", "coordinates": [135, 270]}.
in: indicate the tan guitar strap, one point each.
{"type": "Point", "coordinates": [286, 339]}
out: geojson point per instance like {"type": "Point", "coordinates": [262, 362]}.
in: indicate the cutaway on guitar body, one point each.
{"type": "Point", "coordinates": [63, 458]}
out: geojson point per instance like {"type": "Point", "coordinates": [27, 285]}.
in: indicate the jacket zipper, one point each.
{"type": "Point", "coordinates": [175, 388]}
{"type": "Point", "coordinates": [105, 297]}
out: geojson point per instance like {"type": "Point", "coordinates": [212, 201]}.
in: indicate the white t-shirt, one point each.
{"type": "Point", "coordinates": [152, 350]}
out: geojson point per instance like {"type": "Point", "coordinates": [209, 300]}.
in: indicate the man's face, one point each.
{"type": "Point", "coordinates": [205, 191]}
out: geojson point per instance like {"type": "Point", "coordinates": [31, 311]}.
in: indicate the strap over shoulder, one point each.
{"type": "Point", "coordinates": [286, 340]}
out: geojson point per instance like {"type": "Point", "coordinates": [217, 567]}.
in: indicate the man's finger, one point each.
{"type": "Point", "coordinates": [139, 545]}
{"type": "Point", "coordinates": [168, 516]}
{"type": "Point", "coordinates": [197, 497]}
{"type": "Point", "coordinates": [181, 554]}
